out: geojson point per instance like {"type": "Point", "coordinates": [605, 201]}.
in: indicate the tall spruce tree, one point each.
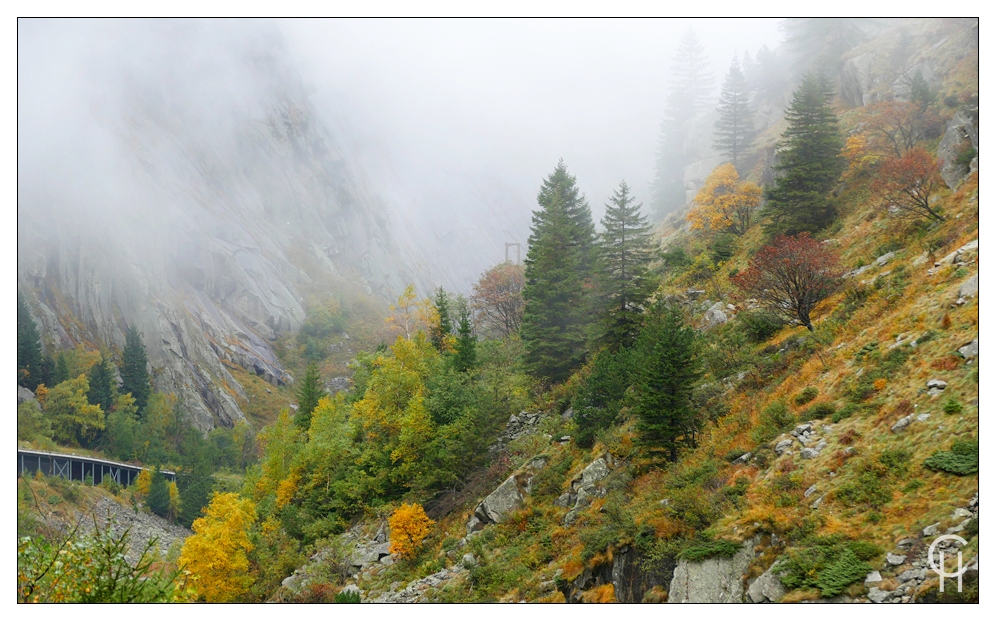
{"type": "Point", "coordinates": [101, 390]}
{"type": "Point", "coordinates": [688, 94]}
{"type": "Point", "coordinates": [666, 372]}
{"type": "Point", "coordinates": [810, 163]}
{"type": "Point", "coordinates": [466, 346]}
{"type": "Point", "coordinates": [735, 125]}
{"type": "Point", "coordinates": [308, 396]}
{"type": "Point", "coordinates": [623, 282]}
{"type": "Point", "coordinates": [134, 371]}
{"type": "Point", "coordinates": [558, 267]}
{"type": "Point", "coordinates": [445, 326]}
{"type": "Point", "coordinates": [29, 351]}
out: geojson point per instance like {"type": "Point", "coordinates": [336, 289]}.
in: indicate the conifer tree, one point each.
{"type": "Point", "coordinates": [101, 390]}
{"type": "Point", "coordinates": [623, 282]}
{"type": "Point", "coordinates": [445, 326]}
{"type": "Point", "coordinates": [29, 352]}
{"type": "Point", "coordinates": [466, 347]}
{"type": "Point", "coordinates": [308, 396]}
{"type": "Point", "coordinates": [134, 371]}
{"type": "Point", "coordinates": [735, 125]}
{"type": "Point", "coordinates": [667, 370]}
{"type": "Point", "coordinates": [158, 499]}
{"type": "Point", "coordinates": [558, 265]}
{"type": "Point", "coordinates": [810, 163]}
{"type": "Point", "coordinates": [688, 93]}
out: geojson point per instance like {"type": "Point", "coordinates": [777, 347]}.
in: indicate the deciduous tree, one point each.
{"type": "Point", "coordinates": [74, 420]}
{"type": "Point", "coordinates": [791, 276]}
{"type": "Point", "coordinates": [725, 203]}
{"type": "Point", "coordinates": [409, 527]}
{"type": "Point", "coordinates": [907, 185]}
{"type": "Point", "coordinates": [497, 300]}
{"type": "Point", "coordinates": [216, 554]}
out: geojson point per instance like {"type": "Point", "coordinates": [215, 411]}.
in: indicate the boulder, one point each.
{"type": "Point", "coordinates": [885, 258]}
{"type": "Point", "coordinates": [923, 417]}
{"type": "Point", "coordinates": [960, 513]}
{"type": "Point", "coordinates": [961, 133]}
{"type": "Point", "coordinates": [877, 595]}
{"type": "Point", "coordinates": [594, 472]}
{"type": "Point", "coordinates": [783, 446]}
{"type": "Point", "coordinates": [969, 288]}
{"type": "Point", "coordinates": [23, 394]}
{"type": "Point", "coordinates": [714, 316]}
{"type": "Point", "coordinates": [350, 588]}
{"type": "Point", "coordinates": [902, 424]}
{"type": "Point", "coordinates": [809, 492]}
{"type": "Point", "coordinates": [568, 414]}
{"type": "Point", "coordinates": [895, 559]}
{"type": "Point", "coordinates": [767, 588]}
{"type": "Point", "coordinates": [931, 530]}
{"type": "Point", "coordinates": [469, 560]}
{"type": "Point", "coordinates": [500, 503]}
{"type": "Point", "coordinates": [808, 453]}
{"type": "Point", "coordinates": [969, 350]}
{"type": "Point", "coordinates": [936, 383]}
{"type": "Point", "coordinates": [873, 578]}
{"type": "Point", "coordinates": [713, 580]}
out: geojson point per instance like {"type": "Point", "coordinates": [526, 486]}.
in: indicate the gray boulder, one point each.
{"type": "Point", "coordinates": [714, 316]}
{"type": "Point", "coordinates": [808, 453]}
{"type": "Point", "coordinates": [23, 394]}
{"type": "Point", "coordinates": [500, 503]}
{"type": "Point", "coordinates": [895, 559]}
{"type": "Point", "coordinates": [873, 578]}
{"type": "Point", "coordinates": [969, 288]}
{"type": "Point", "coordinates": [877, 595]}
{"type": "Point", "coordinates": [902, 423]}
{"type": "Point", "coordinates": [961, 133]}
{"type": "Point", "coordinates": [767, 588]}
{"type": "Point", "coordinates": [885, 258]}
{"type": "Point", "coordinates": [970, 350]}
{"type": "Point", "coordinates": [469, 560]}
{"type": "Point", "coordinates": [936, 383]}
{"type": "Point", "coordinates": [931, 530]}
{"type": "Point", "coordinates": [713, 580]}
{"type": "Point", "coordinates": [783, 446]}
{"type": "Point", "coordinates": [594, 472]}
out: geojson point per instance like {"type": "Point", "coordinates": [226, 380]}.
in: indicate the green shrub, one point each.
{"type": "Point", "coordinates": [913, 485]}
{"type": "Point", "coordinates": [952, 407]}
{"type": "Point", "coordinates": [828, 564]}
{"type": "Point", "coordinates": [972, 528]}
{"type": "Point", "coordinates": [709, 549]}
{"type": "Point", "coordinates": [808, 394]}
{"type": "Point", "coordinates": [896, 460]}
{"type": "Point", "coordinates": [346, 597]}
{"type": "Point", "coordinates": [773, 420]}
{"type": "Point", "coordinates": [867, 488]}
{"type": "Point", "coordinates": [759, 326]}
{"type": "Point", "coordinates": [818, 411]}
{"type": "Point", "coordinates": [844, 412]}
{"type": "Point", "coordinates": [961, 460]}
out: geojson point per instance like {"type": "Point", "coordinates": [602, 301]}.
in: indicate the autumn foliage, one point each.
{"type": "Point", "coordinates": [725, 203]}
{"type": "Point", "coordinates": [497, 299]}
{"type": "Point", "coordinates": [216, 554]}
{"type": "Point", "coordinates": [409, 527]}
{"type": "Point", "coordinates": [908, 184]}
{"type": "Point", "coordinates": [791, 276]}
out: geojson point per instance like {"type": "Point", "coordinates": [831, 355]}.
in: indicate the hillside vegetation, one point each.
{"type": "Point", "coordinates": [771, 396]}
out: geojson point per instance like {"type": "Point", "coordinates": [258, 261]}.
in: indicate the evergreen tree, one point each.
{"type": "Point", "coordinates": [61, 372]}
{"type": "Point", "coordinates": [445, 326]}
{"type": "Point", "coordinates": [810, 163]}
{"type": "Point", "coordinates": [735, 126]}
{"type": "Point", "coordinates": [308, 396]}
{"type": "Point", "coordinates": [158, 500]}
{"type": "Point", "coordinates": [819, 43]}
{"type": "Point", "coordinates": [688, 94]}
{"type": "Point", "coordinates": [558, 265]}
{"type": "Point", "coordinates": [623, 282]}
{"type": "Point", "coordinates": [134, 371]}
{"type": "Point", "coordinates": [666, 371]}
{"type": "Point", "coordinates": [466, 347]}
{"type": "Point", "coordinates": [101, 390]}
{"type": "Point", "coordinates": [29, 351]}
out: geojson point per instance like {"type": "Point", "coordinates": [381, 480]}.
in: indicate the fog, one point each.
{"type": "Point", "coordinates": [447, 127]}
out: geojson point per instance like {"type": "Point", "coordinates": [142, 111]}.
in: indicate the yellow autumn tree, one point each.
{"type": "Point", "coordinates": [725, 203]}
{"type": "Point", "coordinates": [409, 314]}
{"type": "Point", "coordinates": [409, 527]}
{"type": "Point", "coordinates": [143, 483]}
{"type": "Point", "coordinates": [175, 504]}
{"type": "Point", "coordinates": [216, 554]}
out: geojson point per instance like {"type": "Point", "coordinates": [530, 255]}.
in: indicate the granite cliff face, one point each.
{"type": "Point", "coordinates": [196, 201]}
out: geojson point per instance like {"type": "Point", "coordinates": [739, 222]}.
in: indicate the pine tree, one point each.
{"type": "Point", "coordinates": [466, 347]}
{"type": "Point", "coordinates": [688, 93]}
{"type": "Point", "coordinates": [308, 396]}
{"type": "Point", "coordinates": [61, 372]}
{"type": "Point", "coordinates": [134, 371]}
{"type": "Point", "coordinates": [29, 352]}
{"type": "Point", "coordinates": [101, 390]}
{"type": "Point", "coordinates": [735, 126]}
{"type": "Point", "coordinates": [667, 370]}
{"type": "Point", "coordinates": [445, 326]}
{"type": "Point", "coordinates": [623, 282]}
{"type": "Point", "coordinates": [810, 163]}
{"type": "Point", "coordinates": [158, 499]}
{"type": "Point", "coordinates": [558, 265]}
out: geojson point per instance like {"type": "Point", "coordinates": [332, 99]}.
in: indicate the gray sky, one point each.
{"type": "Point", "coordinates": [510, 97]}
